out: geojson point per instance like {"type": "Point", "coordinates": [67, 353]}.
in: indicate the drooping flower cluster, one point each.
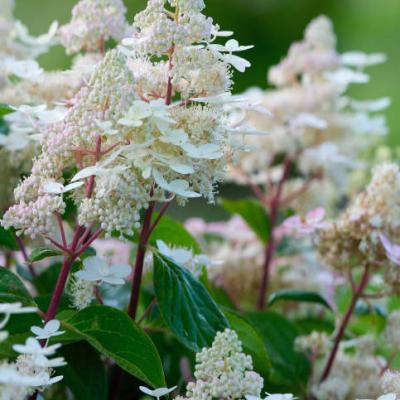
{"type": "Point", "coordinates": [354, 239]}
{"type": "Point", "coordinates": [93, 23]}
{"type": "Point", "coordinates": [224, 371]}
{"type": "Point", "coordinates": [313, 121]}
{"type": "Point", "coordinates": [33, 369]}
{"type": "Point", "coordinates": [135, 138]}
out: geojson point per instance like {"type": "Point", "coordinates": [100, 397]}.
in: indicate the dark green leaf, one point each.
{"type": "Point", "coordinates": [84, 373]}
{"type": "Point", "coordinates": [45, 281]}
{"type": "Point", "coordinates": [253, 213]}
{"type": "Point", "coordinates": [5, 109]}
{"type": "Point", "coordinates": [297, 295]}
{"type": "Point", "coordinates": [13, 290]}
{"type": "Point", "coordinates": [289, 368]}
{"type": "Point", "coordinates": [7, 239]}
{"type": "Point", "coordinates": [186, 306]}
{"type": "Point", "coordinates": [43, 252]}
{"type": "Point", "coordinates": [115, 335]}
{"type": "Point", "coordinates": [308, 325]}
{"type": "Point", "coordinates": [252, 342]}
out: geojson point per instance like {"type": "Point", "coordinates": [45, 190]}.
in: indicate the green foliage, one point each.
{"type": "Point", "coordinates": [7, 239]}
{"type": "Point", "coordinates": [185, 305]}
{"type": "Point", "coordinates": [253, 213]}
{"type": "Point", "coordinates": [298, 296]}
{"type": "Point", "coordinates": [115, 335]}
{"type": "Point", "coordinates": [12, 290]}
{"type": "Point", "coordinates": [40, 253]}
{"type": "Point", "coordinates": [290, 370]}
{"type": "Point", "coordinates": [84, 374]}
{"type": "Point", "coordinates": [5, 109]}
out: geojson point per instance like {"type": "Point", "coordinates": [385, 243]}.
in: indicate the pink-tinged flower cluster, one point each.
{"type": "Point", "coordinates": [300, 226]}
{"type": "Point", "coordinates": [313, 120]}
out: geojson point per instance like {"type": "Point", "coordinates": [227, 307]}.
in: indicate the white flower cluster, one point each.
{"type": "Point", "coordinates": [356, 234]}
{"type": "Point", "coordinates": [18, 49]}
{"type": "Point", "coordinates": [149, 145]}
{"type": "Point", "coordinates": [224, 371]}
{"type": "Point", "coordinates": [94, 22]}
{"type": "Point", "coordinates": [312, 119]}
{"type": "Point", "coordinates": [33, 369]}
{"type": "Point", "coordinates": [95, 272]}
{"type": "Point", "coordinates": [47, 93]}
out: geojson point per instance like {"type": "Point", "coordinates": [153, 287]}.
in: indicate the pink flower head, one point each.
{"type": "Point", "coordinates": [300, 226]}
{"type": "Point", "coordinates": [392, 250]}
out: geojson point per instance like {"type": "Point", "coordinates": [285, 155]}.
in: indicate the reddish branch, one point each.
{"type": "Point", "coordinates": [357, 293]}
{"type": "Point", "coordinates": [81, 240]}
{"type": "Point", "coordinates": [270, 247]}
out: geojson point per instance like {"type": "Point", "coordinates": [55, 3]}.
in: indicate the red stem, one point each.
{"type": "Point", "coordinates": [269, 250]}
{"type": "Point", "coordinates": [343, 325]}
{"type": "Point", "coordinates": [162, 211]}
{"type": "Point", "coordinates": [62, 278]}
{"type": "Point", "coordinates": [61, 227]}
{"type": "Point", "coordinates": [138, 269]}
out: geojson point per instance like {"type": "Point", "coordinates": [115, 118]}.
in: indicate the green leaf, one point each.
{"type": "Point", "coordinates": [46, 280]}
{"type": "Point", "coordinates": [252, 342]}
{"type": "Point", "coordinates": [84, 373]}
{"type": "Point", "coordinates": [185, 305]}
{"type": "Point", "coordinates": [5, 109]}
{"type": "Point", "coordinates": [115, 335]}
{"type": "Point", "coordinates": [308, 325]}
{"type": "Point", "coordinates": [7, 239]}
{"type": "Point", "coordinates": [43, 252]}
{"type": "Point", "coordinates": [253, 213]}
{"type": "Point", "coordinates": [298, 295]}
{"type": "Point", "coordinates": [289, 368]}
{"type": "Point", "coordinates": [173, 234]}
{"type": "Point", "coordinates": [12, 290]}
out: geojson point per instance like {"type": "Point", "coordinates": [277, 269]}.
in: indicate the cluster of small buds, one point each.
{"type": "Point", "coordinates": [158, 32]}
{"type": "Point", "coordinates": [34, 217]}
{"type": "Point", "coordinates": [224, 371]}
{"type": "Point", "coordinates": [390, 382]}
{"type": "Point", "coordinates": [103, 98]}
{"type": "Point", "coordinates": [94, 22]}
{"type": "Point", "coordinates": [317, 344]}
{"type": "Point", "coordinates": [356, 234]}
{"type": "Point", "coordinates": [312, 119]}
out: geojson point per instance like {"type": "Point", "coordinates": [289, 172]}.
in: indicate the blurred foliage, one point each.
{"type": "Point", "coordinates": [271, 25]}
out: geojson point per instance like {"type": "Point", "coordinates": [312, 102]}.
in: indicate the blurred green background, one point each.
{"type": "Point", "coordinates": [271, 25]}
